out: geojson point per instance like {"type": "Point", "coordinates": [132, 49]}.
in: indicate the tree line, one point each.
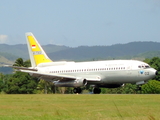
{"type": "Point", "coordinates": [23, 83]}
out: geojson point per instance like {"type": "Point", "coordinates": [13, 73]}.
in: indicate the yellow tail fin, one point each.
{"type": "Point", "coordinates": [36, 52]}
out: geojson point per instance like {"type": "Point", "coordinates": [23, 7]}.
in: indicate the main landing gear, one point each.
{"type": "Point", "coordinates": [139, 87]}
{"type": "Point", "coordinates": [77, 90]}
{"type": "Point", "coordinates": [96, 90]}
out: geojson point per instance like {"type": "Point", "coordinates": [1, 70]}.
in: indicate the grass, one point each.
{"type": "Point", "coordinates": [79, 107]}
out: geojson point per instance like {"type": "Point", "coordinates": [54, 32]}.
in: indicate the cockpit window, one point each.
{"type": "Point", "coordinates": [143, 66]}
{"type": "Point", "coordinates": [147, 66]}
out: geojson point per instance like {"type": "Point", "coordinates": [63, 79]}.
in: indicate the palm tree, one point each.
{"type": "Point", "coordinates": [19, 62]}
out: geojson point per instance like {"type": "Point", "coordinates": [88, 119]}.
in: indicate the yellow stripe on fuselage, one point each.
{"type": "Point", "coordinates": [38, 54]}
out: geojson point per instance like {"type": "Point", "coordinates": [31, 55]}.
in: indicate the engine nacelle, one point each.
{"type": "Point", "coordinates": [71, 83]}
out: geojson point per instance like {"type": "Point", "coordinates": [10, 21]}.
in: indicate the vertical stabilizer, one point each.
{"type": "Point", "coordinates": [36, 52]}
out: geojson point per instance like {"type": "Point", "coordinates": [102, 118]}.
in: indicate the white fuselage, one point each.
{"type": "Point", "coordinates": [103, 72]}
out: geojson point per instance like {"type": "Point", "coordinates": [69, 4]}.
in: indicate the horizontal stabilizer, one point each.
{"type": "Point", "coordinates": [21, 68]}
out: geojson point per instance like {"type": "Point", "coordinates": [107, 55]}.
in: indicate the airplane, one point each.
{"type": "Point", "coordinates": [105, 74]}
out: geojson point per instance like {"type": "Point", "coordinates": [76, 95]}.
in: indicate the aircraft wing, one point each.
{"type": "Point", "coordinates": [54, 77]}
{"type": "Point", "coordinates": [48, 76]}
{"type": "Point", "coordinates": [61, 77]}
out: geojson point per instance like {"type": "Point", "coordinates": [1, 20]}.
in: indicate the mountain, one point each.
{"type": "Point", "coordinates": [82, 53]}
{"type": "Point", "coordinates": [133, 50]}
{"type": "Point", "coordinates": [105, 52]}
{"type": "Point", "coordinates": [21, 50]}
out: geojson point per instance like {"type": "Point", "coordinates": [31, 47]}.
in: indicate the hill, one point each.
{"type": "Point", "coordinates": [21, 50]}
{"type": "Point", "coordinates": [133, 50]}
{"type": "Point", "coordinates": [9, 53]}
{"type": "Point", "coordinates": [129, 50]}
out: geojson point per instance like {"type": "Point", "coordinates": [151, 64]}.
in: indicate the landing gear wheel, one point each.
{"type": "Point", "coordinates": [139, 88]}
{"type": "Point", "coordinates": [77, 90]}
{"type": "Point", "coordinates": [96, 90]}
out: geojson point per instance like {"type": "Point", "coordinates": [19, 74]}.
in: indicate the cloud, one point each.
{"type": "Point", "coordinates": [3, 39]}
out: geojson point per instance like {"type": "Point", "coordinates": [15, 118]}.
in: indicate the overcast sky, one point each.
{"type": "Point", "coordinates": [80, 22]}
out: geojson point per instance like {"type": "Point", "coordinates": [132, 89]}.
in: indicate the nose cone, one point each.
{"type": "Point", "coordinates": [152, 73]}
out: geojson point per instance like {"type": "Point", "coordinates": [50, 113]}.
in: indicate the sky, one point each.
{"type": "Point", "coordinates": [76, 23]}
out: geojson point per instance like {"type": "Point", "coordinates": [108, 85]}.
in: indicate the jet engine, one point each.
{"type": "Point", "coordinates": [71, 83]}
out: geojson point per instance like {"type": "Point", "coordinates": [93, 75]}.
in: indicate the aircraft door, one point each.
{"type": "Point", "coordinates": [129, 70]}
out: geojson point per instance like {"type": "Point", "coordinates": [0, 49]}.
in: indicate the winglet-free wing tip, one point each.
{"type": "Point", "coordinates": [6, 65]}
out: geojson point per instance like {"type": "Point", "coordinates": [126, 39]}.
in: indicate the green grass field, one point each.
{"type": "Point", "coordinates": [79, 107]}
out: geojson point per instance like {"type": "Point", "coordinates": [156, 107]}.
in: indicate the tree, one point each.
{"type": "Point", "coordinates": [27, 63]}
{"type": "Point", "coordinates": [21, 83]}
{"type": "Point", "coordinates": [2, 83]}
{"type": "Point", "coordinates": [65, 90]}
{"type": "Point", "coordinates": [155, 63]}
{"type": "Point", "coordinates": [46, 87]}
{"type": "Point", "coordinates": [19, 62]}
{"type": "Point", "coordinates": [152, 87]}
{"type": "Point", "coordinates": [128, 88]}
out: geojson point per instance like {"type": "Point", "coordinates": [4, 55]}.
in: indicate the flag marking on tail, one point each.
{"type": "Point", "coordinates": [33, 46]}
